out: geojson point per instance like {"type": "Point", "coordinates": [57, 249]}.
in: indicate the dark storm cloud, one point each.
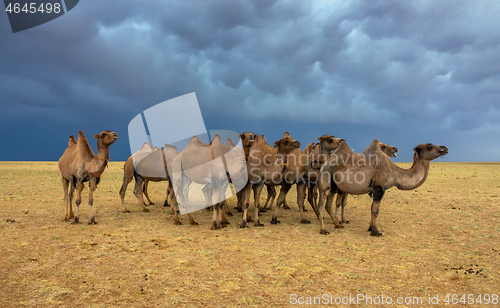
{"type": "Point", "coordinates": [397, 70]}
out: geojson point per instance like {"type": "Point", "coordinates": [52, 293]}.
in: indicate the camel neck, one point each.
{"type": "Point", "coordinates": [324, 151]}
{"type": "Point", "coordinates": [412, 178]}
{"type": "Point", "coordinates": [103, 151]}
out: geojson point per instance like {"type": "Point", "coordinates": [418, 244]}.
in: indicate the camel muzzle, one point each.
{"type": "Point", "coordinates": [443, 150]}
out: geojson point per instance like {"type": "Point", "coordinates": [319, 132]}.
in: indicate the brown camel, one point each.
{"type": "Point", "coordinates": [372, 172]}
{"type": "Point", "coordinates": [265, 165]}
{"type": "Point", "coordinates": [300, 171]}
{"type": "Point", "coordinates": [207, 164]}
{"type": "Point", "coordinates": [342, 197]}
{"type": "Point", "coordinates": [78, 165]}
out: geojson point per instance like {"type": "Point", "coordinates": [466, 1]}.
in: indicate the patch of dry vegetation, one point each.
{"type": "Point", "coordinates": [433, 237]}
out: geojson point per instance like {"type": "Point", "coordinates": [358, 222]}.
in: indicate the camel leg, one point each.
{"type": "Point", "coordinates": [311, 197]}
{"type": "Point", "coordinates": [170, 199]}
{"type": "Point", "coordinates": [301, 196]}
{"type": "Point", "coordinates": [167, 194]}
{"type": "Point", "coordinates": [224, 220]}
{"type": "Point", "coordinates": [92, 188]}
{"type": "Point", "coordinates": [175, 209]}
{"type": "Point", "coordinates": [246, 204]}
{"type": "Point", "coordinates": [226, 209]}
{"type": "Point", "coordinates": [271, 195]}
{"type": "Point", "coordinates": [145, 192]}
{"type": "Point", "coordinates": [378, 193]}
{"type": "Point", "coordinates": [344, 203]}
{"type": "Point", "coordinates": [323, 195]}
{"type": "Point", "coordinates": [241, 199]}
{"type": "Point", "coordinates": [328, 206]}
{"type": "Point", "coordinates": [285, 204]}
{"type": "Point", "coordinates": [207, 193]}
{"type": "Point", "coordinates": [123, 189]}
{"type": "Point", "coordinates": [192, 222]}
{"type": "Point", "coordinates": [257, 191]}
{"type": "Point", "coordinates": [79, 188]}
{"type": "Point", "coordinates": [215, 225]}
{"type": "Point", "coordinates": [217, 193]}
{"type": "Point", "coordinates": [70, 199]}
{"type": "Point", "coordinates": [285, 187]}
{"type": "Point", "coordinates": [138, 191]}
{"type": "Point", "coordinates": [65, 184]}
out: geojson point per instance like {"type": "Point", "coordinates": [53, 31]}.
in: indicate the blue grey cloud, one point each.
{"type": "Point", "coordinates": [402, 71]}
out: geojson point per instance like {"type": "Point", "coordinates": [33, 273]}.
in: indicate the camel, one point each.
{"type": "Point", "coordinates": [128, 175]}
{"type": "Point", "coordinates": [154, 167]}
{"type": "Point", "coordinates": [300, 171]}
{"type": "Point", "coordinates": [207, 164]}
{"type": "Point", "coordinates": [207, 190]}
{"type": "Point", "coordinates": [342, 197]}
{"type": "Point", "coordinates": [265, 166]}
{"type": "Point", "coordinates": [374, 172]}
{"type": "Point", "coordinates": [78, 165]}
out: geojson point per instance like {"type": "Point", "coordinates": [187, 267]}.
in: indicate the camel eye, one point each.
{"type": "Point", "coordinates": [430, 147]}
{"type": "Point", "coordinates": [330, 141]}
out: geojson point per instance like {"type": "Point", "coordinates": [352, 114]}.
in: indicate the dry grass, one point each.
{"type": "Point", "coordinates": [141, 259]}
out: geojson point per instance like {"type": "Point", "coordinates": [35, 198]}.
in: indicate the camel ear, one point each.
{"type": "Point", "coordinates": [96, 136]}
{"type": "Point", "coordinates": [418, 149]}
{"type": "Point", "coordinates": [241, 137]}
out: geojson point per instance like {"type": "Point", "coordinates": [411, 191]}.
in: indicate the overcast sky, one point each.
{"type": "Point", "coordinates": [404, 72]}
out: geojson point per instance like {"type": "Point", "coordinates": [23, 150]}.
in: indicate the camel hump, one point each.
{"type": "Point", "coordinates": [168, 146]}
{"type": "Point", "coordinates": [343, 148]}
{"type": "Point", "coordinates": [217, 138]}
{"type": "Point", "coordinates": [261, 139]}
{"type": "Point", "coordinates": [374, 147]}
{"type": "Point", "coordinates": [72, 141]}
{"type": "Point", "coordinates": [146, 145]}
{"type": "Point", "coordinates": [308, 149]}
{"type": "Point", "coordinates": [229, 144]}
{"type": "Point", "coordinates": [83, 145]}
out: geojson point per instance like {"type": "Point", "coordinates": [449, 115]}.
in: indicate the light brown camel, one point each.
{"type": "Point", "coordinates": [265, 166]}
{"type": "Point", "coordinates": [207, 190]}
{"type": "Point", "coordinates": [207, 164]}
{"type": "Point", "coordinates": [374, 172]}
{"type": "Point", "coordinates": [154, 167]}
{"type": "Point", "coordinates": [342, 197]}
{"type": "Point", "coordinates": [128, 175]}
{"type": "Point", "coordinates": [78, 165]}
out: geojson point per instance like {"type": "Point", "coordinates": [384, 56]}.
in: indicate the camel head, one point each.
{"type": "Point", "coordinates": [330, 143]}
{"type": "Point", "coordinates": [389, 150]}
{"type": "Point", "coordinates": [428, 151]}
{"type": "Point", "coordinates": [247, 139]}
{"type": "Point", "coordinates": [106, 138]}
{"type": "Point", "coordinates": [286, 144]}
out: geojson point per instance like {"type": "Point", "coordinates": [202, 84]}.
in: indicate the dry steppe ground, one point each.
{"type": "Point", "coordinates": [442, 238]}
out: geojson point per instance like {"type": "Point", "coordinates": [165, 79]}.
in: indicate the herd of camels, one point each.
{"type": "Point", "coordinates": [322, 170]}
